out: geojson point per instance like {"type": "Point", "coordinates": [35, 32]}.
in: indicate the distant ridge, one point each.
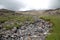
{"type": "Point", "coordinates": [6, 10]}
{"type": "Point", "coordinates": [33, 12]}
{"type": "Point", "coordinates": [41, 12]}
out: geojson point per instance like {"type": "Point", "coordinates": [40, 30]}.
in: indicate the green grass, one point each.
{"type": "Point", "coordinates": [16, 20]}
{"type": "Point", "coordinates": [55, 19]}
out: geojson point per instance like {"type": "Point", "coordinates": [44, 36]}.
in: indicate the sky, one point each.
{"type": "Point", "coordinates": [23, 5]}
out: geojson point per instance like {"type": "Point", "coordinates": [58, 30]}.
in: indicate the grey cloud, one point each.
{"type": "Point", "coordinates": [15, 5]}
{"type": "Point", "coordinates": [54, 4]}
{"type": "Point", "coordinates": [11, 4]}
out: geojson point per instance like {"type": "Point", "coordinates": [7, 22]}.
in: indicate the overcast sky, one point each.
{"type": "Point", "coordinates": [29, 4]}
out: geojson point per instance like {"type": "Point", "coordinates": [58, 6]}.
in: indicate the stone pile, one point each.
{"type": "Point", "coordinates": [35, 31]}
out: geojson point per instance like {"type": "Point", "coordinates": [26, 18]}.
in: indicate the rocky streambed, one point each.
{"type": "Point", "coordinates": [29, 31]}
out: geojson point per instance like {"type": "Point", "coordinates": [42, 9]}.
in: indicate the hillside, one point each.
{"type": "Point", "coordinates": [42, 12]}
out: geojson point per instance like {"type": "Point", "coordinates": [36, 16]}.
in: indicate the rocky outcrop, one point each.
{"type": "Point", "coordinates": [29, 31]}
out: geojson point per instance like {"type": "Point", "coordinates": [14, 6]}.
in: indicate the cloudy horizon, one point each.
{"type": "Point", "coordinates": [23, 5]}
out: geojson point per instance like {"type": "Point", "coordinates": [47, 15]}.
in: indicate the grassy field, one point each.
{"type": "Point", "coordinates": [15, 21]}
{"type": "Point", "coordinates": [55, 19]}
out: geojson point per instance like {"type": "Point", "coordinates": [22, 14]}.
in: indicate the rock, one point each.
{"type": "Point", "coordinates": [23, 27]}
{"type": "Point", "coordinates": [1, 27]}
{"type": "Point", "coordinates": [14, 30]}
